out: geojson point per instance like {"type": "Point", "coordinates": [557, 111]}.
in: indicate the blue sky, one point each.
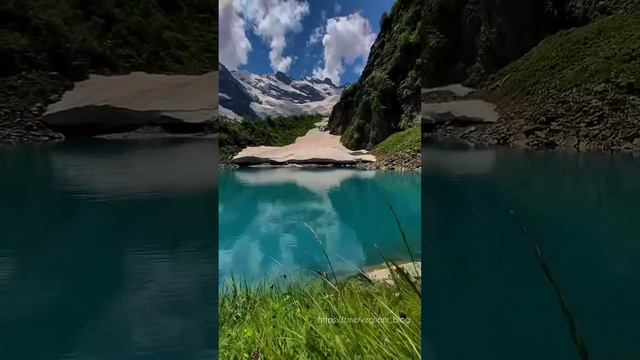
{"type": "Point", "coordinates": [355, 21]}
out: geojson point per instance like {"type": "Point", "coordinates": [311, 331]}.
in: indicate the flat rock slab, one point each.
{"type": "Point", "coordinates": [461, 111]}
{"type": "Point", "coordinates": [315, 147]}
{"type": "Point", "coordinates": [384, 274]}
{"type": "Point", "coordinates": [458, 89]}
{"type": "Point", "coordinates": [185, 98]}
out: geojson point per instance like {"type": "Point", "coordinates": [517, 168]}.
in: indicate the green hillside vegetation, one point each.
{"type": "Point", "coordinates": [386, 97]}
{"type": "Point", "coordinates": [74, 37]}
{"type": "Point", "coordinates": [577, 89]}
{"type": "Point", "coordinates": [563, 73]}
{"type": "Point", "coordinates": [606, 52]}
{"type": "Point", "coordinates": [406, 140]}
{"type": "Point", "coordinates": [400, 151]}
{"type": "Point", "coordinates": [46, 45]}
{"type": "Point", "coordinates": [236, 135]}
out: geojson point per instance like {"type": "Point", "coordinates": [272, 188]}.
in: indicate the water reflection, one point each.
{"type": "Point", "coordinates": [133, 277]}
{"type": "Point", "coordinates": [264, 213]}
{"type": "Point", "coordinates": [160, 167]}
{"type": "Point", "coordinates": [484, 286]}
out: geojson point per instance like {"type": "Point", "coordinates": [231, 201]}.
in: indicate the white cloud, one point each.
{"type": "Point", "coordinates": [337, 8]}
{"type": "Point", "coordinates": [323, 15]}
{"type": "Point", "coordinates": [347, 39]}
{"type": "Point", "coordinates": [272, 20]}
{"type": "Point", "coordinates": [316, 35]}
{"type": "Point", "coordinates": [234, 46]}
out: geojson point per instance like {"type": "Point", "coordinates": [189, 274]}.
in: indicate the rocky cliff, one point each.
{"type": "Point", "coordinates": [469, 40]}
{"type": "Point", "coordinates": [386, 97]}
{"type": "Point", "coordinates": [562, 72]}
{"type": "Point", "coordinates": [441, 42]}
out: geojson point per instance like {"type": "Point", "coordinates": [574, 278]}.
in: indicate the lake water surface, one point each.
{"type": "Point", "coordinates": [485, 294]}
{"type": "Point", "coordinates": [108, 250]}
{"type": "Point", "coordinates": [267, 217]}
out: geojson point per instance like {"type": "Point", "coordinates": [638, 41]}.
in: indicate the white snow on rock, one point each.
{"type": "Point", "coordinates": [190, 98]}
{"type": "Point", "coordinates": [315, 147]}
{"type": "Point", "coordinates": [271, 95]}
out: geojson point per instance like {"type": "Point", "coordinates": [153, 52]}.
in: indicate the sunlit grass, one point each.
{"type": "Point", "coordinates": [285, 319]}
{"type": "Point", "coordinates": [324, 317]}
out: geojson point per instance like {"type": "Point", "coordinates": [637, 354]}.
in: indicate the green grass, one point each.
{"type": "Point", "coordinates": [409, 139]}
{"type": "Point", "coordinates": [236, 135]}
{"type": "Point", "coordinates": [324, 319]}
{"type": "Point", "coordinates": [604, 52]}
{"type": "Point", "coordinates": [288, 323]}
{"type": "Point", "coordinates": [74, 37]}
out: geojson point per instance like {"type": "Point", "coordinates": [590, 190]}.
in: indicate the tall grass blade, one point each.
{"type": "Point", "coordinates": [400, 228]}
{"type": "Point", "coordinates": [578, 340]}
{"type": "Point", "coordinates": [325, 254]}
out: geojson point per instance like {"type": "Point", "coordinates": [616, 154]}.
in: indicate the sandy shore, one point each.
{"type": "Point", "coordinates": [383, 273]}
{"type": "Point", "coordinates": [315, 147]}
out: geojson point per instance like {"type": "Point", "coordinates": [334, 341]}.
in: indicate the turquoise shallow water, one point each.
{"type": "Point", "coordinates": [108, 250]}
{"type": "Point", "coordinates": [264, 215]}
{"type": "Point", "coordinates": [486, 296]}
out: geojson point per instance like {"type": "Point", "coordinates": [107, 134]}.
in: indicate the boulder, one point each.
{"type": "Point", "coordinates": [462, 112]}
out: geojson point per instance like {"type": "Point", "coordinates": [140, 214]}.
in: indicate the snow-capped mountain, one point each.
{"type": "Point", "coordinates": [243, 94]}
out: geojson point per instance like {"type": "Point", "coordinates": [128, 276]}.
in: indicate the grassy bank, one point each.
{"type": "Point", "coordinates": [314, 320]}
{"type": "Point", "coordinates": [604, 53]}
{"type": "Point", "coordinates": [577, 89]}
{"type": "Point", "coordinates": [236, 135]}
{"type": "Point", "coordinates": [400, 151]}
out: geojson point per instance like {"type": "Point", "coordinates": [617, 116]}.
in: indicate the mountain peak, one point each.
{"type": "Point", "coordinates": [244, 94]}
{"type": "Point", "coordinates": [328, 82]}
{"type": "Point", "coordinates": [283, 77]}
{"type": "Point", "coordinates": [325, 81]}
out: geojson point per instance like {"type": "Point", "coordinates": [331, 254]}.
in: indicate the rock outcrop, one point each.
{"type": "Point", "coordinates": [470, 40]}
{"type": "Point", "coordinates": [570, 91]}
{"type": "Point", "coordinates": [463, 112]}
{"type": "Point", "coordinates": [315, 148]}
{"type": "Point", "coordinates": [108, 104]}
{"type": "Point", "coordinates": [46, 46]}
{"type": "Point", "coordinates": [385, 99]}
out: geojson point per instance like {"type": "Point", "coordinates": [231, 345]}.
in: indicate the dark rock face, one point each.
{"type": "Point", "coordinates": [469, 40]}
{"type": "Point", "coordinates": [283, 77]}
{"type": "Point", "coordinates": [23, 101]}
{"type": "Point", "coordinates": [440, 42]}
{"type": "Point", "coordinates": [98, 120]}
{"type": "Point", "coordinates": [568, 92]}
{"type": "Point", "coordinates": [237, 99]}
{"type": "Point", "coordinates": [386, 97]}
{"type": "Point", "coordinates": [580, 120]}
{"type": "Point", "coordinates": [327, 81]}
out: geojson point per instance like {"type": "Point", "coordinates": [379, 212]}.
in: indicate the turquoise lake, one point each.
{"type": "Point", "coordinates": [108, 250]}
{"type": "Point", "coordinates": [486, 296]}
{"type": "Point", "coordinates": [267, 216]}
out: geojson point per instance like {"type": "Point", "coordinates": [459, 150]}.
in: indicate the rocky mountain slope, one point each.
{"type": "Point", "coordinates": [385, 100]}
{"type": "Point", "coordinates": [246, 95]}
{"type": "Point", "coordinates": [47, 45]}
{"type": "Point", "coordinates": [468, 41]}
{"type": "Point", "coordinates": [562, 73]}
